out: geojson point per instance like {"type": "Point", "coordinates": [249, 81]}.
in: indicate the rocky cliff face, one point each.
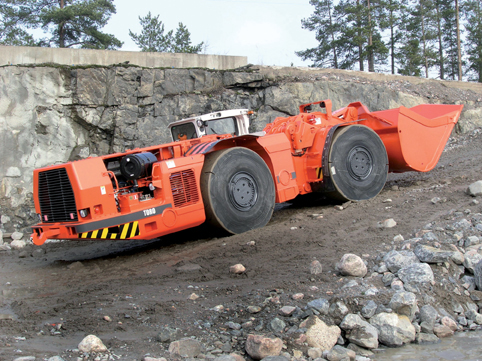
{"type": "Point", "coordinates": [51, 115]}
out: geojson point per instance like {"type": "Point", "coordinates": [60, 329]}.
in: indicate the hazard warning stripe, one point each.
{"type": "Point", "coordinates": [319, 173]}
{"type": "Point", "coordinates": [201, 148]}
{"type": "Point", "coordinates": [127, 230]}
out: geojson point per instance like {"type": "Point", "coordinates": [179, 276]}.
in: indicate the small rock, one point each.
{"type": "Point", "coordinates": [147, 358]}
{"type": "Point", "coordinates": [352, 265]}
{"type": "Point", "coordinates": [91, 343]}
{"type": "Point", "coordinates": [107, 318]}
{"type": "Point", "coordinates": [168, 334]}
{"type": "Point", "coordinates": [277, 325]}
{"type": "Point", "coordinates": [259, 347]}
{"type": "Point", "coordinates": [186, 347]}
{"type": "Point", "coordinates": [287, 310]}
{"type": "Point", "coordinates": [338, 310]}
{"type": "Point", "coordinates": [475, 189]}
{"type": "Point", "coordinates": [471, 241]}
{"type": "Point", "coordinates": [369, 309]}
{"type": "Point", "coordinates": [16, 236]}
{"type": "Point", "coordinates": [18, 244]}
{"type": "Point", "coordinates": [298, 296]}
{"type": "Point", "coordinates": [254, 309]}
{"type": "Point", "coordinates": [193, 297]}
{"type": "Point", "coordinates": [321, 305]}
{"type": "Point", "coordinates": [426, 338]}
{"type": "Point", "coordinates": [339, 353]}
{"type": "Point", "coordinates": [471, 258]}
{"type": "Point", "coordinates": [387, 223]}
{"type": "Point", "coordinates": [316, 267]}
{"type": "Point", "coordinates": [75, 265]}
{"type": "Point", "coordinates": [218, 308]}
{"type": "Point", "coordinates": [25, 358]}
{"type": "Point", "coordinates": [237, 269]}
{"type": "Point", "coordinates": [447, 321]}
{"type": "Point", "coordinates": [442, 331]}
{"type": "Point", "coordinates": [398, 238]}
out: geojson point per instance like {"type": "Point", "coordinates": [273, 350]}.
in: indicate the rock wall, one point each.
{"type": "Point", "coordinates": [53, 114]}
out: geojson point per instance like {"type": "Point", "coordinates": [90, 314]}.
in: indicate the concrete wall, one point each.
{"type": "Point", "coordinates": [35, 55]}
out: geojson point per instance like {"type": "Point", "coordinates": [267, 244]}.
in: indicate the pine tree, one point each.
{"type": "Point", "coordinates": [473, 14]}
{"type": "Point", "coordinates": [152, 37]}
{"type": "Point", "coordinates": [182, 41]}
{"type": "Point", "coordinates": [67, 23]}
{"type": "Point", "coordinates": [327, 30]}
{"type": "Point", "coordinates": [390, 14]}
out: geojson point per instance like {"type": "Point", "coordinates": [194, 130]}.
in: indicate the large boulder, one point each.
{"type": "Point", "coordinates": [319, 334]}
{"type": "Point", "coordinates": [396, 260]}
{"type": "Point", "coordinates": [393, 330]}
{"type": "Point", "coordinates": [429, 254]}
{"type": "Point", "coordinates": [478, 275]}
{"type": "Point", "coordinates": [404, 303]}
{"type": "Point", "coordinates": [416, 273]}
{"type": "Point", "coordinates": [359, 331]}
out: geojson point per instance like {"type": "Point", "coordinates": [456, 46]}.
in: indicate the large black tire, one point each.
{"type": "Point", "coordinates": [358, 163]}
{"type": "Point", "coordinates": [237, 190]}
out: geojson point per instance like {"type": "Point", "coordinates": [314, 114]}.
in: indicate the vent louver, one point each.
{"type": "Point", "coordinates": [184, 188]}
{"type": "Point", "coordinates": [56, 197]}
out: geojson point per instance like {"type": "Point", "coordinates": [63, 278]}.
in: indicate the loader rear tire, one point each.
{"type": "Point", "coordinates": [358, 163]}
{"type": "Point", "coordinates": [237, 189]}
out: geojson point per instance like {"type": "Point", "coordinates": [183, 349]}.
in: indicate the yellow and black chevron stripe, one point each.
{"type": "Point", "coordinates": [123, 231]}
{"type": "Point", "coordinates": [319, 173]}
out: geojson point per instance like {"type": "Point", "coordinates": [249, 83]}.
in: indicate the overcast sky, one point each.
{"type": "Point", "coordinates": [268, 32]}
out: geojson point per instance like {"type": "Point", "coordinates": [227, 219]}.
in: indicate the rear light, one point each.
{"type": "Point", "coordinates": [84, 212]}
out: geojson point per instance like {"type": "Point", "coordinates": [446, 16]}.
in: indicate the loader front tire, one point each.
{"type": "Point", "coordinates": [358, 163]}
{"type": "Point", "coordinates": [237, 189]}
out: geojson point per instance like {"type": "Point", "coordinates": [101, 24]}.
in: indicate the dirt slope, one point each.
{"type": "Point", "coordinates": [52, 296]}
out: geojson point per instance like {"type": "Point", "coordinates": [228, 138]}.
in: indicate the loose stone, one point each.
{"type": "Point", "coordinates": [91, 343]}
{"type": "Point", "coordinates": [237, 269]}
{"type": "Point", "coordinates": [186, 347]}
{"type": "Point", "coordinates": [259, 347]}
{"type": "Point", "coordinates": [352, 265]}
{"type": "Point", "coordinates": [319, 334]}
{"type": "Point", "coordinates": [316, 267]}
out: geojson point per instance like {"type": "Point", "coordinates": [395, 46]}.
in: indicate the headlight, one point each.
{"type": "Point", "coordinates": [84, 212]}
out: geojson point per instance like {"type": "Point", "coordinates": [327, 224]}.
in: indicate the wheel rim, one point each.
{"type": "Point", "coordinates": [243, 191]}
{"type": "Point", "coordinates": [359, 163]}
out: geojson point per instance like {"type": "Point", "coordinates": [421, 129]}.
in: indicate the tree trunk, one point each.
{"type": "Point", "coordinates": [424, 40]}
{"type": "Point", "coordinates": [439, 36]}
{"type": "Point", "coordinates": [61, 29]}
{"type": "Point", "coordinates": [335, 60]}
{"type": "Point", "coordinates": [371, 62]}
{"type": "Point", "coordinates": [459, 52]}
{"type": "Point", "coordinates": [392, 40]}
{"type": "Point", "coordinates": [360, 41]}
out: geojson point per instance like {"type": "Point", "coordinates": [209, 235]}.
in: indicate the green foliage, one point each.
{"type": "Point", "coordinates": [473, 13]}
{"type": "Point", "coordinates": [153, 39]}
{"type": "Point", "coordinates": [67, 23]}
{"type": "Point", "coordinates": [347, 35]}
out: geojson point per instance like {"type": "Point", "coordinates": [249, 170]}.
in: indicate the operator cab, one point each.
{"type": "Point", "coordinates": [234, 122]}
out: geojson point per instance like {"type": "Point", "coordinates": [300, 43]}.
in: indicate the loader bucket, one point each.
{"type": "Point", "coordinates": [414, 137]}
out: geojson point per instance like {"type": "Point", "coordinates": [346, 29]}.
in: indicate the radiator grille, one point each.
{"type": "Point", "coordinates": [56, 197]}
{"type": "Point", "coordinates": [184, 188]}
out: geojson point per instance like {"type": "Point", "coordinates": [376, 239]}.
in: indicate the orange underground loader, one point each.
{"type": "Point", "coordinates": [218, 173]}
